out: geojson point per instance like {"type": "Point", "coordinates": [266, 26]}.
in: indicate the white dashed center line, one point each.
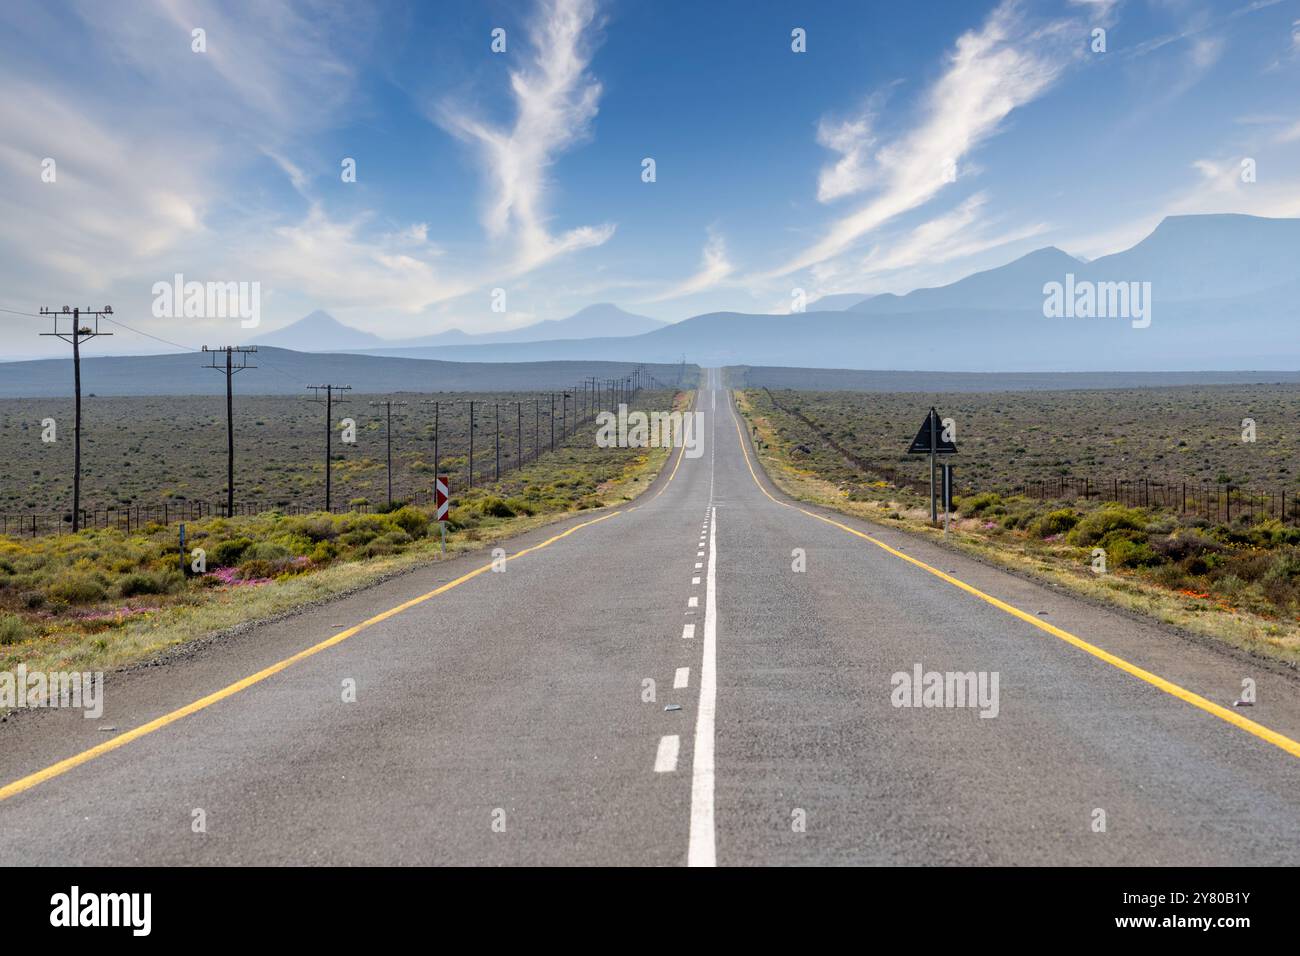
{"type": "Point", "coordinates": [682, 678]}
{"type": "Point", "coordinates": [666, 758]}
{"type": "Point", "coordinates": [702, 850]}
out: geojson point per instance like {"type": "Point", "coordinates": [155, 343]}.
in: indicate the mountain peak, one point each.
{"type": "Point", "coordinates": [318, 331]}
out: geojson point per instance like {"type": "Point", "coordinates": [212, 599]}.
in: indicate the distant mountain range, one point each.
{"type": "Point", "coordinates": [1224, 297]}
{"type": "Point", "coordinates": [321, 332]}
{"type": "Point", "coordinates": [1224, 290]}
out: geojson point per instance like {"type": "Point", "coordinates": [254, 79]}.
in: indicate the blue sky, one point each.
{"type": "Point", "coordinates": [912, 143]}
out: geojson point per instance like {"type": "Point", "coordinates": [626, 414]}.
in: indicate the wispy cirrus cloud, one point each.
{"type": "Point", "coordinates": [961, 232]}
{"type": "Point", "coordinates": [715, 267]}
{"type": "Point", "coordinates": [1004, 64]}
{"type": "Point", "coordinates": [555, 100]}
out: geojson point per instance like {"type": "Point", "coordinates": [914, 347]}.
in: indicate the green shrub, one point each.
{"type": "Point", "coordinates": [358, 537]}
{"type": "Point", "coordinates": [1185, 543]}
{"type": "Point", "coordinates": [139, 583]}
{"type": "Point", "coordinates": [257, 568]}
{"type": "Point", "coordinates": [316, 528]}
{"type": "Point", "coordinates": [266, 551]}
{"type": "Point", "coordinates": [989, 501]}
{"type": "Point", "coordinates": [77, 587]}
{"type": "Point", "coordinates": [411, 520]}
{"type": "Point", "coordinates": [1095, 526]}
{"type": "Point", "coordinates": [495, 508]}
{"type": "Point", "coordinates": [13, 629]}
{"type": "Point", "coordinates": [1054, 522]}
{"type": "Point", "coordinates": [227, 554]}
{"type": "Point", "coordinates": [1126, 553]}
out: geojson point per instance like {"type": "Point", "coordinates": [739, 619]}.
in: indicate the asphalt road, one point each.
{"type": "Point", "coordinates": [506, 720]}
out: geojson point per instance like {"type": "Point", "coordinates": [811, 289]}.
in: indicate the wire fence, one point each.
{"type": "Point", "coordinates": [1213, 501]}
{"type": "Point", "coordinates": [1210, 500]}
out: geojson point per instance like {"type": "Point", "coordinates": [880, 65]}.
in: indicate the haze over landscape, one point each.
{"type": "Point", "coordinates": [898, 225]}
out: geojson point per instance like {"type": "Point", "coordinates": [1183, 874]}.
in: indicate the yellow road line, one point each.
{"type": "Point", "coordinates": [680, 454]}
{"type": "Point", "coordinates": [121, 740]}
{"type": "Point", "coordinates": [1155, 680]}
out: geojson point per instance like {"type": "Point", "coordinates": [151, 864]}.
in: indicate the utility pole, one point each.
{"type": "Point", "coordinates": [230, 369]}
{"type": "Point", "coordinates": [471, 444]}
{"type": "Point", "coordinates": [435, 436]}
{"type": "Point", "coordinates": [496, 408]}
{"type": "Point", "coordinates": [329, 427]}
{"type": "Point", "coordinates": [519, 434]}
{"type": "Point", "coordinates": [76, 335]}
{"type": "Point", "coordinates": [388, 404]}
{"type": "Point", "coordinates": [552, 421]}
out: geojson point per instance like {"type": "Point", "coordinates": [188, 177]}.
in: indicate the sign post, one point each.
{"type": "Point", "coordinates": [947, 494]}
{"type": "Point", "coordinates": [441, 501]}
{"type": "Point", "coordinates": [929, 441]}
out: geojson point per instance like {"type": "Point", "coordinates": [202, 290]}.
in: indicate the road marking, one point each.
{"type": "Point", "coordinates": [693, 602]}
{"type": "Point", "coordinates": [1155, 680]}
{"type": "Point", "coordinates": [698, 565]}
{"type": "Point", "coordinates": [682, 678]}
{"type": "Point", "coordinates": [666, 758]}
{"type": "Point", "coordinates": [696, 579]}
{"type": "Point", "coordinates": [702, 849]}
{"type": "Point", "coordinates": [121, 740]}
{"type": "Point", "coordinates": [688, 632]}
{"type": "Point", "coordinates": [680, 455]}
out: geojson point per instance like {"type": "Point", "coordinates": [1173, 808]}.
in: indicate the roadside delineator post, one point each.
{"type": "Point", "coordinates": [441, 501]}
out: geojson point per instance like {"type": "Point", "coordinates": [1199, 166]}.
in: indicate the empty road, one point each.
{"type": "Point", "coordinates": [508, 716]}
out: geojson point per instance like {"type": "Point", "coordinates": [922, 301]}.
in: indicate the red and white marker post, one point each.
{"type": "Point", "coordinates": [442, 504]}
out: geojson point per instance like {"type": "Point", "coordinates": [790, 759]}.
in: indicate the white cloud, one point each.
{"type": "Point", "coordinates": [853, 172]}
{"type": "Point", "coordinates": [338, 265]}
{"type": "Point", "coordinates": [715, 267]}
{"type": "Point", "coordinates": [555, 100]}
{"type": "Point", "coordinates": [991, 71]}
{"type": "Point", "coordinates": [955, 235]}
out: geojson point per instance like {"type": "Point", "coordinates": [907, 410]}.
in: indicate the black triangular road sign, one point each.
{"type": "Point", "coordinates": [932, 426]}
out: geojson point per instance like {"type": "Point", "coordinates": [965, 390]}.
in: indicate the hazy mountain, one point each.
{"type": "Point", "coordinates": [1186, 259]}
{"type": "Point", "coordinates": [837, 302]}
{"type": "Point", "coordinates": [1225, 294]}
{"type": "Point", "coordinates": [1016, 285]}
{"type": "Point", "coordinates": [321, 332]}
{"type": "Point", "coordinates": [603, 319]}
